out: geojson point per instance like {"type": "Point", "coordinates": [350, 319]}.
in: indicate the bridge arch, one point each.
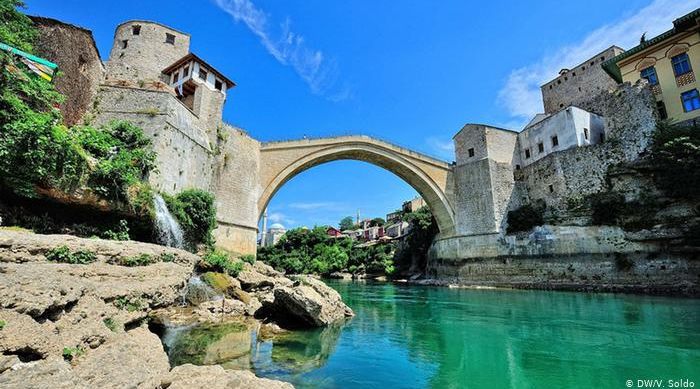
{"type": "Point", "coordinates": [281, 161]}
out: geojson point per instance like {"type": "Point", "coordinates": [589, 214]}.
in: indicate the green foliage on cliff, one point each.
{"type": "Point", "coordinates": [676, 159]}
{"type": "Point", "coordinates": [38, 152]}
{"type": "Point", "coordinates": [414, 252]}
{"type": "Point", "coordinates": [195, 212]}
{"type": "Point", "coordinates": [526, 217]}
{"type": "Point", "coordinates": [16, 29]}
{"type": "Point", "coordinates": [607, 207]}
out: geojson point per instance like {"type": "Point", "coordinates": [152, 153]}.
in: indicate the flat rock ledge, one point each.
{"type": "Point", "coordinates": [84, 326]}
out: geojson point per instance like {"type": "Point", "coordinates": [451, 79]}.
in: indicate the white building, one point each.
{"type": "Point", "coordinates": [567, 128]}
{"type": "Point", "coordinates": [273, 235]}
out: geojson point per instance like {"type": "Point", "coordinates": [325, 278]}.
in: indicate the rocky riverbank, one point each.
{"type": "Point", "coordinates": [86, 323]}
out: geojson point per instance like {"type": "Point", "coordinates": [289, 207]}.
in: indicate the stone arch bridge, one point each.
{"type": "Point", "coordinates": [247, 184]}
{"type": "Point", "coordinates": [281, 161]}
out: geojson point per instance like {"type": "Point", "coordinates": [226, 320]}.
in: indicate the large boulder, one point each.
{"type": "Point", "coordinates": [309, 302]}
{"type": "Point", "coordinates": [215, 377]}
{"type": "Point", "coordinates": [133, 359]}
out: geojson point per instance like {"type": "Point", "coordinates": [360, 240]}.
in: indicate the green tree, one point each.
{"type": "Point", "coordinates": [377, 222]}
{"type": "Point", "coordinates": [676, 159]}
{"type": "Point", "coordinates": [346, 223]}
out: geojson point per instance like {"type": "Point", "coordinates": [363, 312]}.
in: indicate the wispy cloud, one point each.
{"type": "Point", "coordinates": [289, 48]}
{"type": "Point", "coordinates": [521, 92]}
{"type": "Point", "coordinates": [314, 206]}
{"type": "Point", "coordinates": [279, 217]}
{"type": "Point", "coordinates": [443, 148]}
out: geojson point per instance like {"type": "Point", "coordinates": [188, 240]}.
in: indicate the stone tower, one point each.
{"type": "Point", "coordinates": [142, 49]}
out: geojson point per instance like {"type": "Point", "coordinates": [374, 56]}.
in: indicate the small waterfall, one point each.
{"type": "Point", "coordinates": [168, 230]}
{"type": "Point", "coordinates": [197, 291]}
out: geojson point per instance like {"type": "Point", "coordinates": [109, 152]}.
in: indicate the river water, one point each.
{"type": "Point", "coordinates": [419, 337]}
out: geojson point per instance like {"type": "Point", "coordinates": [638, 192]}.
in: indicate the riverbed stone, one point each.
{"type": "Point", "coordinates": [310, 302]}
{"type": "Point", "coordinates": [215, 377]}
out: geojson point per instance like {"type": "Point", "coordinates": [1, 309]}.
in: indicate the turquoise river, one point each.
{"type": "Point", "coordinates": [431, 337]}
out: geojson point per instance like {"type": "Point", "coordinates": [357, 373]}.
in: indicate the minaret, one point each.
{"type": "Point", "coordinates": [263, 234]}
{"type": "Point", "coordinates": [358, 216]}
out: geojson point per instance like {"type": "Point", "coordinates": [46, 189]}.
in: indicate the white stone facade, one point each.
{"type": "Point", "coordinates": [567, 128]}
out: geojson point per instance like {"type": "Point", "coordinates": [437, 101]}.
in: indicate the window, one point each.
{"type": "Point", "coordinates": [125, 43]}
{"type": "Point", "coordinates": [186, 72]}
{"type": "Point", "coordinates": [540, 147]}
{"type": "Point", "coordinates": [585, 133]}
{"type": "Point", "coordinates": [573, 74]}
{"type": "Point", "coordinates": [517, 167]}
{"type": "Point", "coordinates": [135, 30]}
{"type": "Point", "coordinates": [175, 77]}
{"type": "Point", "coordinates": [202, 74]}
{"type": "Point", "coordinates": [681, 64]}
{"type": "Point", "coordinates": [169, 38]}
{"type": "Point", "coordinates": [550, 86]}
{"type": "Point", "coordinates": [218, 84]}
{"type": "Point", "coordinates": [470, 152]}
{"type": "Point", "coordinates": [691, 100]}
{"type": "Point", "coordinates": [650, 75]}
{"type": "Point", "coordinates": [555, 141]}
{"type": "Point", "coordinates": [561, 105]}
{"type": "Point", "coordinates": [602, 137]}
{"type": "Point", "coordinates": [583, 68]}
{"type": "Point", "coordinates": [661, 109]}
{"type": "Point", "coordinates": [527, 153]}
{"type": "Point", "coordinates": [551, 189]}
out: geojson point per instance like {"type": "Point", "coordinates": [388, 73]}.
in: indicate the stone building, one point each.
{"type": "Point", "coordinates": [413, 205]}
{"type": "Point", "coordinates": [142, 49]}
{"type": "Point", "coordinates": [567, 128]}
{"type": "Point", "coordinates": [667, 62]}
{"type": "Point", "coordinates": [74, 50]}
{"type": "Point", "coordinates": [580, 83]}
{"type": "Point", "coordinates": [273, 235]}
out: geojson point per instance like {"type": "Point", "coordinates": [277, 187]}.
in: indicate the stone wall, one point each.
{"type": "Point", "coordinates": [571, 175]}
{"type": "Point", "coordinates": [580, 83]}
{"type": "Point", "coordinates": [185, 156]}
{"type": "Point", "coordinates": [237, 189]}
{"type": "Point", "coordinates": [80, 68]}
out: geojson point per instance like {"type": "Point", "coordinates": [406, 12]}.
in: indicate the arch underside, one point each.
{"type": "Point", "coordinates": [387, 159]}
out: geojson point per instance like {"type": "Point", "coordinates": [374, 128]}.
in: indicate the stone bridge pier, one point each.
{"type": "Point", "coordinates": [256, 171]}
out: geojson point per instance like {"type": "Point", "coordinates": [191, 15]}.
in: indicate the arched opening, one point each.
{"type": "Point", "coordinates": [370, 152]}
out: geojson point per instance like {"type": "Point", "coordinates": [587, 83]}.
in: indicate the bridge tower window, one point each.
{"type": "Point", "coordinates": [527, 153]}
{"type": "Point", "coordinates": [555, 141]}
{"type": "Point", "coordinates": [470, 152]}
{"type": "Point", "coordinates": [540, 147]}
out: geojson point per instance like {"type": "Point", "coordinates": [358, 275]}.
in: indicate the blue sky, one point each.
{"type": "Point", "coordinates": [411, 72]}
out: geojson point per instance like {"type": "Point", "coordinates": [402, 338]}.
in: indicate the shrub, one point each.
{"type": "Point", "coordinates": [122, 232]}
{"type": "Point", "coordinates": [137, 260]}
{"type": "Point", "coordinates": [221, 262]}
{"type": "Point", "coordinates": [248, 258]}
{"type": "Point", "coordinates": [111, 324]}
{"type": "Point", "coordinates": [607, 207]}
{"type": "Point", "coordinates": [167, 257]}
{"type": "Point", "coordinates": [526, 217]}
{"type": "Point", "coordinates": [2, 324]}
{"type": "Point", "coordinates": [130, 304]}
{"type": "Point", "coordinates": [194, 210]}
{"type": "Point", "coordinates": [676, 159]}
{"type": "Point", "coordinates": [63, 254]}
{"type": "Point", "coordinates": [124, 157]}
{"type": "Point", "coordinates": [70, 353]}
